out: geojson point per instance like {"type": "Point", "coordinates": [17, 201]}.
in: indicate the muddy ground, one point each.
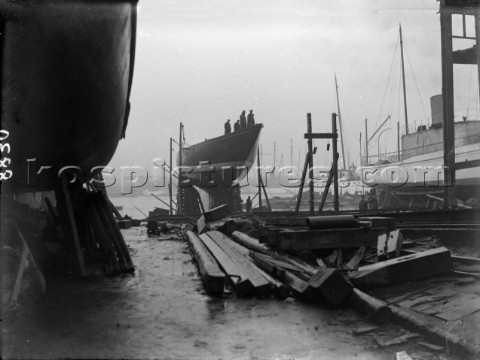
{"type": "Point", "coordinates": [162, 312]}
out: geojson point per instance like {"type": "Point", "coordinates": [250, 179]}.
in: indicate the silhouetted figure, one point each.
{"type": "Point", "coordinates": [363, 204]}
{"type": "Point", "coordinates": [236, 126]}
{"type": "Point", "coordinates": [228, 127]}
{"type": "Point", "coordinates": [372, 200]}
{"type": "Point", "coordinates": [250, 119]}
{"type": "Point", "coordinates": [243, 121]}
{"type": "Point", "coordinates": [248, 205]}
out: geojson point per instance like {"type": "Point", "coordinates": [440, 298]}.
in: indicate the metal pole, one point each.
{"type": "Point", "coordinates": [335, 163]}
{"type": "Point", "coordinates": [310, 163]}
{"type": "Point", "coordinates": [403, 79]}
{"type": "Point", "coordinates": [170, 190]}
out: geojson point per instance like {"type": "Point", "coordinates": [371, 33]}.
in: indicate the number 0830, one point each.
{"type": "Point", "coordinates": [5, 174]}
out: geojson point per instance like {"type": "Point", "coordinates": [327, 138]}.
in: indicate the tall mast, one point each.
{"type": "Point", "coordinates": [340, 123]}
{"type": "Point", "coordinates": [403, 79]}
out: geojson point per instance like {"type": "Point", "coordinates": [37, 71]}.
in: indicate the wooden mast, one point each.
{"type": "Point", "coordinates": [340, 123]}
{"type": "Point", "coordinates": [403, 80]}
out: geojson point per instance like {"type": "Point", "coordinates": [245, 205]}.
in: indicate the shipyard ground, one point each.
{"type": "Point", "coordinates": [162, 312]}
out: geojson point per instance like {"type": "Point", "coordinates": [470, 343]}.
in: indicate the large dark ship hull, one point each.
{"type": "Point", "coordinates": [222, 161]}
{"type": "Point", "coordinates": [66, 74]}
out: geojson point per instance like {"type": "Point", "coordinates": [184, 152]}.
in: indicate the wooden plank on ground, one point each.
{"type": "Point", "coordinates": [330, 285]}
{"type": "Point", "coordinates": [303, 265]}
{"type": "Point", "coordinates": [293, 281]}
{"type": "Point", "coordinates": [406, 268]}
{"type": "Point", "coordinates": [356, 259]}
{"type": "Point", "coordinates": [213, 278]}
{"type": "Point", "coordinates": [371, 307]}
{"type": "Point", "coordinates": [249, 242]}
{"type": "Point", "coordinates": [325, 239]}
{"type": "Point", "coordinates": [247, 270]}
{"type": "Point", "coordinates": [242, 286]}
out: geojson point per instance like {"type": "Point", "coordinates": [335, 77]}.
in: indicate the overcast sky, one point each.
{"type": "Point", "coordinates": [202, 62]}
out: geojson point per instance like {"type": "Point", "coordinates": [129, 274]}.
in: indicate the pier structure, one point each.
{"type": "Point", "coordinates": [453, 10]}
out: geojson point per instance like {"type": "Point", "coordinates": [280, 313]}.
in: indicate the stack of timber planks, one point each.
{"type": "Point", "coordinates": [250, 268]}
{"type": "Point", "coordinates": [313, 262]}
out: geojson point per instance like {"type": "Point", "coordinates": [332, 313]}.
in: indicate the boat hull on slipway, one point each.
{"type": "Point", "coordinates": [66, 75]}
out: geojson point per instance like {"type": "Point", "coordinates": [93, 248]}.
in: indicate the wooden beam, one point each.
{"type": "Point", "coordinates": [320, 136]}
{"type": "Point", "coordinates": [73, 226]}
{"type": "Point", "coordinates": [217, 213]}
{"type": "Point", "coordinates": [265, 262]}
{"type": "Point", "coordinates": [247, 271]}
{"type": "Point", "coordinates": [325, 239]}
{"type": "Point", "coordinates": [287, 221]}
{"type": "Point", "coordinates": [448, 108]}
{"type": "Point", "coordinates": [330, 285]}
{"type": "Point", "coordinates": [212, 277]}
{"type": "Point", "coordinates": [369, 306]}
{"type": "Point", "coordinates": [242, 286]}
{"type": "Point", "coordinates": [249, 242]}
{"type": "Point", "coordinates": [413, 267]}
{"type": "Point", "coordinates": [356, 259]}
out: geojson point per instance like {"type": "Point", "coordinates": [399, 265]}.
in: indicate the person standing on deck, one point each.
{"type": "Point", "coordinates": [236, 126]}
{"type": "Point", "coordinates": [243, 121]}
{"type": "Point", "coordinates": [363, 204]}
{"type": "Point", "coordinates": [372, 200]}
{"type": "Point", "coordinates": [250, 119]}
{"type": "Point", "coordinates": [248, 206]}
{"type": "Point", "coordinates": [228, 127]}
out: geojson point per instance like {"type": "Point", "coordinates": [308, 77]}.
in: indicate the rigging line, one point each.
{"type": "Point", "coordinates": [388, 79]}
{"type": "Point", "coordinates": [415, 80]}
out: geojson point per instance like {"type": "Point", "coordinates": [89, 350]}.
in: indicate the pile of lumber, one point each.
{"type": "Point", "coordinates": [327, 259]}
{"type": "Point", "coordinates": [19, 272]}
{"type": "Point", "coordinates": [250, 268]}
{"type": "Point", "coordinates": [90, 230]}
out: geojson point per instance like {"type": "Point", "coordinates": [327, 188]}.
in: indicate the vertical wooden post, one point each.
{"type": "Point", "coordinates": [398, 141]}
{"type": "Point", "coordinates": [477, 35]}
{"type": "Point", "coordinates": [335, 163]}
{"type": "Point", "coordinates": [259, 177]}
{"type": "Point", "coordinates": [310, 163]}
{"type": "Point", "coordinates": [361, 162]}
{"type": "Point", "coordinates": [181, 190]}
{"type": "Point", "coordinates": [366, 141]}
{"type": "Point", "coordinates": [73, 225]}
{"type": "Point", "coordinates": [170, 190]}
{"type": "Point", "coordinates": [403, 81]}
{"type": "Point", "coordinates": [265, 193]}
{"type": "Point", "coordinates": [340, 123]}
{"type": "Point", "coordinates": [448, 104]}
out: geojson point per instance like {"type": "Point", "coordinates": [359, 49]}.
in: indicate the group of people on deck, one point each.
{"type": "Point", "coordinates": [242, 123]}
{"type": "Point", "coordinates": [369, 204]}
